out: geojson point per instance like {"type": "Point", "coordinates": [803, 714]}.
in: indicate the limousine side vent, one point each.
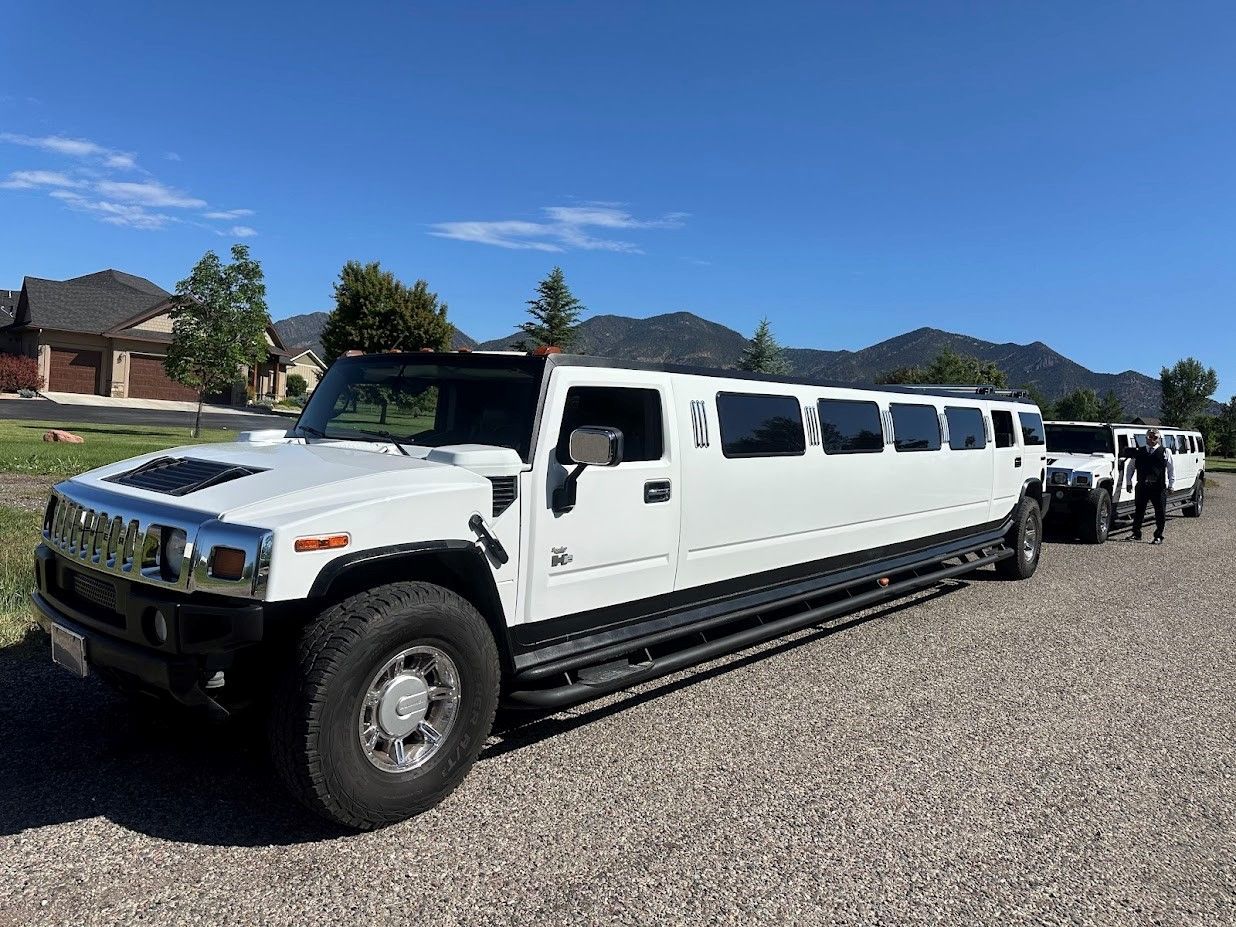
{"type": "Point", "coordinates": [505, 490]}
{"type": "Point", "coordinates": [812, 418]}
{"type": "Point", "coordinates": [886, 419]}
{"type": "Point", "coordinates": [944, 437]}
{"type": "Point", "coordinates": [699, 423]}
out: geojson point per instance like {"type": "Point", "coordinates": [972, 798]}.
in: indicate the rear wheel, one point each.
{"type": "Point", "coordinates": [387, 702]}
{"type": "Point", "coordinates": [1095, 517]}
{"type": "Point", "coordinates": [1026, 540]}
{"type": "Point", "coordinates": [1193, 509]}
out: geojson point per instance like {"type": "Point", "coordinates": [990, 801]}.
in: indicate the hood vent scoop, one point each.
{"type": "Point", "coordinates": [179, 476]}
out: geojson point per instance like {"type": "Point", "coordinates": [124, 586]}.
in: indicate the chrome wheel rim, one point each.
{"type": "Point", "coordinates": [409, 709]}
{"type": "Point", "coordinates": [1031, 541]}
{"type": "Point", "coordinates": [1105, 516]}
{"type": "Point", "coordinates": [1201, 497]}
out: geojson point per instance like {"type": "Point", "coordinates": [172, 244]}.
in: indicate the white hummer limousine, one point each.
{"type": "Point", "coordinates": [1086, 474]}
{"type": "Point", "coordinates": [442, 532]}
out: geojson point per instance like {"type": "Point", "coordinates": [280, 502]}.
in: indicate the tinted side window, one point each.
{"type": "Point", "coordinates": [965, 429]}
{"type": "Point", "coordinates": [1122, 443]}
{"type": "Point", "coordinates": [634, 412]}
{"type": "Point", "coordinates": [1201, 444]}
{"type": "Point", "coordinates": [1031, 428]}
{"type": "Point", "coordinates": [1140, 440]}
{"type": "Point", "coordinates": [1192, 444]}
{"type": "Point", "coordinates": [1002, 425]}
{"type": "Point", "coordinates": [1169, 441]}
{"type": "Point", "coordinates": [850, 427]}
{"type": "Point", "coordinates": [754, 425]}
{"type": "Point", "coordinates": [915, 427]}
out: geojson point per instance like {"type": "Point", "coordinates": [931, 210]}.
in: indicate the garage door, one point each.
{"type": "Point", "coordinates": [148, 380]}
{"type": "Point", "coordinates": [74, 371]}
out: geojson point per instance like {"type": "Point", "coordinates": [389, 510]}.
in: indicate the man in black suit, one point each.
{"type": "Point", "coordinates": [1156, 477]}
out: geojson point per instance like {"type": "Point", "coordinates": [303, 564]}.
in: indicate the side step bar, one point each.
{"type": "Point", "coordinates": [609, 669]}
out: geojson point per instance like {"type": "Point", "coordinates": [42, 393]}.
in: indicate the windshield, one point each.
{"type": "Point", "coordinates": [1079, 439]}
{"type": "Point", "coordinates": [427, 401]}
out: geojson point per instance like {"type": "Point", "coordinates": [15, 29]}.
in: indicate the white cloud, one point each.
{"type": "Point", "coordinates": [123, 214]}
{"type": "Point", "coordinates": [148, 193]}
{"type": "Point", "coordinates": [29, 180]}
{"type": "Point", "coordinates": [566, 229]}
{"type": "Point", "coordinates": [74, 148]}
{"type": "Point", "coordinates": [227, 214]}
{"type": "Point", "coordinates": [95, 185]}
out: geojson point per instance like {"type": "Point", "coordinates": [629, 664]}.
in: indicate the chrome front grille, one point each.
{"type": "Point", "coordinates": [114, 541]}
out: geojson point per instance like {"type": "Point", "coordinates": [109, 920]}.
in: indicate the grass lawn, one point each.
{"type": "Point", "coordinates": [1221, 464]}
{"type": "Point", "coordinates": [23, 451]}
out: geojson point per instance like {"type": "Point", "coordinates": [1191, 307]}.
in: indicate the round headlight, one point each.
{"type": "Point", "coordinates": [172, 556]}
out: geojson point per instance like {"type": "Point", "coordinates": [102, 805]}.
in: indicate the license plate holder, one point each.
{"type": "Point", "coordinates": [68, 649]}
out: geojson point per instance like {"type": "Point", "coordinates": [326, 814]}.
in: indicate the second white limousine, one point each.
{"type": "Point", "coordinates": [440, 532]}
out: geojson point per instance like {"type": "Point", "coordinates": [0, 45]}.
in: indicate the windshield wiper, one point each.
{"type": "Point", "coordinates": [387, 436]}
{"type": "Point", "coordinates": [311, 431]}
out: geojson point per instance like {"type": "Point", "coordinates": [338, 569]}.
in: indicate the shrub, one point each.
{"type": "Point", "coordinates": [18, 372]}
{"type": "Point", "coordinates": [297, 385]}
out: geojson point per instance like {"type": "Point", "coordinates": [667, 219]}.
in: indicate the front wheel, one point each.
{"type": "Point", "coordinates": [1194, 507]}
{"type": "Point", "coordinates": [385, 705]}
{"type": "Point", "coordinates": [1026, 540]}
{"type": "Point", "coordinates": [1095, 519]}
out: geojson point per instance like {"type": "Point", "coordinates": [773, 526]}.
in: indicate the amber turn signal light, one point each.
{"type": "Point", "coordinates": [321, 542]}
{"type": "Point", "coordinates": [227, 563]}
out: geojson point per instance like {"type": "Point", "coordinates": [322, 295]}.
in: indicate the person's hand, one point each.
{"type": "Point", "coordinates": [1128, 487]}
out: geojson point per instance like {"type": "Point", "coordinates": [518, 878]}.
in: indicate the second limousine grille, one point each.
{"type": "Point", "coordinates": [179, 476]}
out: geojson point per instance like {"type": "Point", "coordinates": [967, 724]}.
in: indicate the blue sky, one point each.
{"type": "Point", "coordinates": [1059, 172]}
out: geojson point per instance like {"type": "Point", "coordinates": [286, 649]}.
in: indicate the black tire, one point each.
{"type": "Point", "coordinates": [1094, 519]}
{"type": "Point", "coordinates": [317, 703]}
{"type": "Point", "coordinates": [1026, 540]}
{"type": "Point", "coordinates": [1193, 509]}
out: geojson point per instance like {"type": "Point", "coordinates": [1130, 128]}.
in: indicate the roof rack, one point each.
{"type": "Point", "coordinates": [986, 390]}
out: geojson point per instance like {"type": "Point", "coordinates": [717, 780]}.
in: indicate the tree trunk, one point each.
{"type": "Point", "coordinates": [197, 423]}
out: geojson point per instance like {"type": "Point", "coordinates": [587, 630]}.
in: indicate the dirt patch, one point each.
{"type": "Point", "coordinates": [26, 491]}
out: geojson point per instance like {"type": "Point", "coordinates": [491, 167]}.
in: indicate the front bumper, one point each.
{"type": "Point", "coordinates": [116, 617]}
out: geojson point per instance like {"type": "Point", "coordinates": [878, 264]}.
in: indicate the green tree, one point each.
{"type": "Point", "coordinates": [297, 385]}
{"type": "Point", "coordinates": [1186, 386]}
{"type": "Point", "coordinates": [375, 311]}
{"type": "Point", "coordinates": [1111, 409]}
{"type": "Point", "coordinates": [555, 315]}
{"type": "Point", "coordinates": [1227, 429]}
{"type": "Point", "coordinates": [219, 323]}
{"type": "Point", "coordinates": [951, 368]}
{"type": "Point", "coordinates": [1046, 406]}
{"type": "Point", "coordinates": [1081, 405]}
{"type": "Point", "coordinates": [763, 354]}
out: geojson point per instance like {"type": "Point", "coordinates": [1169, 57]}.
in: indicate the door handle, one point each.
{"type": "Point", "coordinates": [1016, 461]}
{"type": "Point", "coordinates": [657, 491]}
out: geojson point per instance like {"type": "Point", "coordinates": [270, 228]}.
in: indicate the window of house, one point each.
{"type": "Point", "coordinates": [915, 427]}
{"type": "Point", "coordinates": [850, 427]}
{"type": "Point", "coordinates": [1031, 428]}
{"type": "Point", "coordinates": [757, 425]}
{"type": "Point", "coordinates": [1002, 426]}
{"type": "Point", "coordinates": [634, 412]}
{"type": "Point", "coordinates": [965, 428]}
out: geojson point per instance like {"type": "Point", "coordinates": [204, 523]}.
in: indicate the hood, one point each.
{"type": "Point", "coordinates": [292, 477]}
{"type": "Point", "coordinates": [1086, 462]}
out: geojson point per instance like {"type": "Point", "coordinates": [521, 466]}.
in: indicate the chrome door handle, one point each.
{"type": "Point", "coordinates": [657, 491]}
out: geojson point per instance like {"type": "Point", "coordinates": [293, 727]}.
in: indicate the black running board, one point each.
{"type": "Point", "coordinates": [633, 662]}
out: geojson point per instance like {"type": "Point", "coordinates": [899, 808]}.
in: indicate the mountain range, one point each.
{"type": "Point", "coordinates": [685, 338]}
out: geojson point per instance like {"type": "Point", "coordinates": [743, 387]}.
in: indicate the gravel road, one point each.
{"type": "Point", "coordinates": [1061, 751]}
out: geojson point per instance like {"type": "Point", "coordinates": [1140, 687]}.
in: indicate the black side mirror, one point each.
{"type": "Point", "coordinates": [589, 446]}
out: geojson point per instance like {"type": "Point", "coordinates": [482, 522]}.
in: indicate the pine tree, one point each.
{"type": "Point", "coordinates": [1081, 405]}
{"type": "Point", "coordinates": [1111, 409]}
{"type": "Point", "coordinates": [763, 354]}
{"type": "Point", "coordinates": [555, 313]}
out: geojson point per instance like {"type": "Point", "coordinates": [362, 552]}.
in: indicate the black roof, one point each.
{"type": "Point", "coordinates": [93, 303]}
{"type": "Point", "coordinates": [588, 360]}
{"type": "Point", "coordinates": [8, 305]}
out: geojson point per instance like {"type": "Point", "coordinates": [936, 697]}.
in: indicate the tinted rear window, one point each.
{"type": "Point", "coordinates": [1002, 425]}
{"type": "Point", "coordinates": [850, 427]}
{"type": "Point", "coordinates": [966, 431]}
{"type": "Point", "coordinates": [1031, 428]}
{"type": "Point", "coordinates": [754, 425]}
{"type": "Point", "coordinates": [915, 427]}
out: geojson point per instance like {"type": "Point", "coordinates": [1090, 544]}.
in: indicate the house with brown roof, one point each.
{"type": "Point", "coordinates": [107, 333]}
